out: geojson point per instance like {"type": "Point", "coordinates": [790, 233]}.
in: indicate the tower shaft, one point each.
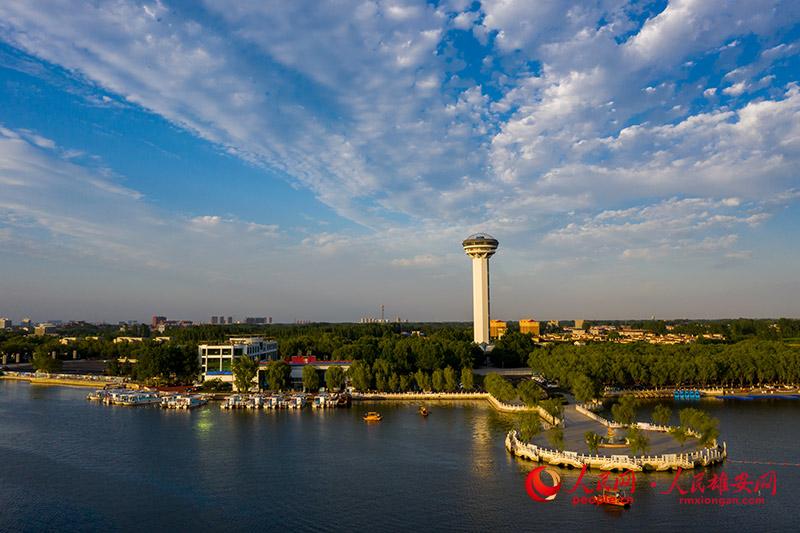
{"type": "Point", "coordinates": [480, 299]}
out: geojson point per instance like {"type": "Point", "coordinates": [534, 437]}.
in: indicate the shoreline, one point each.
{"type": "Point", "coordinates": [66, 382]}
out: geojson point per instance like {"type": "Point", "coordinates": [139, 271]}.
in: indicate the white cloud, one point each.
{"type": "Point", "coordinates": [736, 89]}
{"type": "Point", "coordinates": [580, 108]}
{"type": "Point", "coordinates": [53, 207]}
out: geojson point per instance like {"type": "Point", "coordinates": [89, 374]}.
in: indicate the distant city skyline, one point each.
{"type": "Point", "coordinates": [312, 160]}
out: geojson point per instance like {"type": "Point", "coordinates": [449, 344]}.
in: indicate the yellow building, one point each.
{"type": "Point", "coordinates": [497, 328]}
{"type": "Point", "coordinates": [529, 325]}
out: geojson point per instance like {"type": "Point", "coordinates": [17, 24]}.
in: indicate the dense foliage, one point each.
{"type": "Point", "coordinates": [499, 388]}
{"type": "Point", "coordinates": [646, 365]}
{"type": "Point", "coordinates": [244, 372]}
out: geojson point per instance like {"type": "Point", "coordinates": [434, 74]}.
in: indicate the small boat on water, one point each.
{"type": "Point", "coordinates": [423, 410]}
{"type": "Point", "coordinates": [278, 401]}
{"type": "Point", "coordinates": [372, 416]}
{"type": "Point", "coordinates": [183, 401]}
{"type": "Point", "coordinates": [136, 398]}
{"type": "Point", "coordinates": [297, 401]}
{"type": "Point", "coordinates": [234, 401]}
{"type": "Point", "coordinates": [344, 400]}
{"type": "Point", "coordinates": [613, 498]}
{"type": "Point", "coordinates": [256, 401]}
{"type": "Point", "coordinates": [103, 394]}
{"type": "Point", "coordinates": [323, 400]}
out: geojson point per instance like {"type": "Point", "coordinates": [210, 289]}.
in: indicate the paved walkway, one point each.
{"type": "Point", "coordinates": [576, 425]}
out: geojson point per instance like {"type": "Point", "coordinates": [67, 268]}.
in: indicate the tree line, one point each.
{"type": "Point", "coordinates": [587, 369]}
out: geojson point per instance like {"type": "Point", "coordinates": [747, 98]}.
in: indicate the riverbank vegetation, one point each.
{"type": "Point", "coordinates": [587, 369]}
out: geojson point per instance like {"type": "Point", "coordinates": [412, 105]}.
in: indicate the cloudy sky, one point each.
{"type": "Point", "coordinates": [313, 160]}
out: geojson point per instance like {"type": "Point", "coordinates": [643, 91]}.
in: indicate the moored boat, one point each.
{"type": "Point", "coordinates": [613, 498]}
{"type": "Point", "coordinates": [183, 401]}
{"type": "Point", "coordinates": [234, 401]}
{"type": "Point", "coordinates": [136, 398]}
{"type": "Point", "coordinates": [372, 416]}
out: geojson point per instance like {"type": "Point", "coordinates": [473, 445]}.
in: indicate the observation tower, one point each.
{"type": "Point", "coordinates": [480, 247]}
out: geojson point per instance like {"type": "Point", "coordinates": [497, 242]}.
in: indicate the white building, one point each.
{"type": "Point", "coordinates": [216, 360]}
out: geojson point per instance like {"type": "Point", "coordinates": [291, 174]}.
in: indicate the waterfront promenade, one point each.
{"type": "Point", "coordinates": [576, 424]}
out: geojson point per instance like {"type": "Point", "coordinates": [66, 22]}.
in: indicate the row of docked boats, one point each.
{"type": "Point", "coordinates": [262, 401]}
{"type": "Point", "coordinates": [286, 401]}
{"type": "Point", "coordinates": [133, 398]}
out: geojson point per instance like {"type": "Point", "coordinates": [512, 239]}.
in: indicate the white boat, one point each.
{"type": "Point", "coordinates": [323, 400]}
{"type": "Point", "coordinates": [277, 402]}
{"type": "Point", "coordinates": [256, 401]}
{"type": "Point", "coordinates": [234, 401]}
{"type": "Point", "coordinates": [114, 396]}
{"type": "Point", "coordinates": [183, 401]}
{"type": "Point", "coordinates": [297, 401]}
{"type": "Point", "coordinates": [136, 398]}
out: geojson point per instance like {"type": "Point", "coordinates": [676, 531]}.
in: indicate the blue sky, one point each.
{"type": "Point", "coordinates": [313, 160]}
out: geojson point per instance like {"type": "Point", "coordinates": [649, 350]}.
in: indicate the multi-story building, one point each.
{"type": "Point", "coordinates": [255, 320]}
{"type": "Point", "coordinates": [529, 326]}
{"type": "Point", "coordinates": [44, 329]}
{"type": "Point", "coordinates": [497, 328]}
{"type": "Point", "coordinates": [216, 360]}
{"type": "Point", "coordinates": [5, 323]}
{"type": "Point", "coordinates": [297, 363]}
{"type": "Point", "coordinates": [157, 321]}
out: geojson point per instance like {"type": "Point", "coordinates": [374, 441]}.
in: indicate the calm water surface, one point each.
{"type": "Point", "coordinates": [68, 464]}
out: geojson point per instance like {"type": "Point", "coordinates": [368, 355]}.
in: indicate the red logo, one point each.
{"type": "Point", "coordinates": [538, 490]}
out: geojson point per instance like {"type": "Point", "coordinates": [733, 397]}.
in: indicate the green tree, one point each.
{"type": "Point", "coordinates": [530, 392]}
{"type": "Point", "coordinates": [450, 381]}
{"type": "Point", "coordinates": [498, 387]}
{"type": "Point", "coordinates": [467, 379]}
{"type": "Point", "coordinates": [661, 415]}
{"type": "Point", "coordinates": [679, 434]}
{"type": "Point", "coordinates": [310, 378]}
{"type": "Point", "coordinates": [244, 372]}
{"type": "Point", "coordinates": [394, 382]}
{"type": "Point", "coordinates": [637, 440]}
{"type": "Point", "coordinates": [553, 407]}
{"type": "Point", "coordinates": [556, 437]}
{"type": "Point", "coordinates": [43, 361]}
{"type": "Point", "coordinates": [702, 423]}
{"type": "Point", "coordinates": [583, 388]}
{"type": "Point", "coordinates": [624, 411]}
{"type": "Point", "coordinates": [278, 375]}
{"type": "Point", "coordinates": [423, 381]}
{"type": "Point", "coordinates": [593, 441]}
{"type": "Point", "coordinates": [437, 380]}
{"type": "Point", "coordinates": [360, 375]}
{"type": "Point", "coordinates": [406, 382]}
{"type": "Point", "coordinates": [382, 371]}
{"type": "Point", "coordinates": [529, 425]}
{"type": "Point", "coordinates": [334, 378]}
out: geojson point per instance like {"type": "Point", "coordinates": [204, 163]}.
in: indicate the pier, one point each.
{"type": "Point", "coordinates": [577, 420]}
{"type": "Point", "coordinates": [615, 463]}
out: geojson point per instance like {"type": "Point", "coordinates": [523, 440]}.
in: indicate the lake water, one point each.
{"type": "Point", "coordinates": [69, 464]}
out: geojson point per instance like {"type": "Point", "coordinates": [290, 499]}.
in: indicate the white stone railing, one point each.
{"type": "Point", "coordinates": [684, 460]}
{"type": "Point", "coordinates": [641, 425]}
{"type": "Point", "coordinates": [497, 404]}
